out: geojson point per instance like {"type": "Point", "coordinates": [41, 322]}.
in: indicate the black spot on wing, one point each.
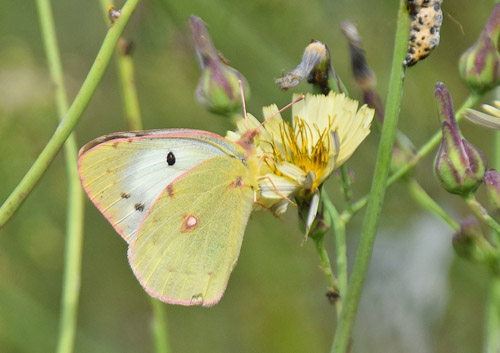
{"type": "Point", "coordinates": [170, 159]}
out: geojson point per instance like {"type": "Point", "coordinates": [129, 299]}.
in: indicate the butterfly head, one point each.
{"type": "Point", "coordinates": [247, 140]}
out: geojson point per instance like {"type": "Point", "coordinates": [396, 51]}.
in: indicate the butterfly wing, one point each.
{"type": "Point", "coordinates": [190, 239]}
{"type": "Point", "coordinates": [123, 173]}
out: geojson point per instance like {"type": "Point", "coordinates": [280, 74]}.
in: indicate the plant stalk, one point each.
{"type": "Point", "coordinates": [482, 214]}
{"type": "Point", "coordinates": [160, 329]}
{"type": "Point", "coordinates": [492, 325]}
{"type": "Point", "coordinates": [492, 317]}
{"type": "Point", "coordinates": [388, 135]}
{"type": "Point", "coordinates": [131, 108]}
{"type": "Point", "coordinates": [74, 223]}
{"type": "Point", "coordinates": [340, 243]}
{"type": "Point", "coordinates": [326, 268]}
{"type": "Point", "coordinates": [424, 199]}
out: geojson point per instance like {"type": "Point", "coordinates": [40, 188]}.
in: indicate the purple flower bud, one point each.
{"type": "Point", "coordinates": [218, 90]}
{"type": "Point", "coordinates": [479, 66]}
{"type": "Point", "coordinates": [459, 165]}
{"type": "Point", "coordinates": [492, 182]}
{"type": "Point", "coordinates": [470, 243]}
{"type": "Point", "coordinates": [464, 239]}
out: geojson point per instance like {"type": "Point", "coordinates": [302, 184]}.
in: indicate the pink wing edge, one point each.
{"type": "Point", "coordinates": [129, 136]}
{"type": "Point", "coordinates": [131, 256]}
{"type": "Point", "coordinates": [101, 208]}
{"type": "Point", "coordinates": [159, 133]}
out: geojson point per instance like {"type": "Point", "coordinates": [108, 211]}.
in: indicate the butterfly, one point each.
{"type": "Point", "coordinates": [426, 19]}
{"type": "Point", "coordinates": [181, 199]}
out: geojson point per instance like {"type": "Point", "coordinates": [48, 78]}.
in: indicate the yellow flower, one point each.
{"type": "Point", "coordinates": [324, 133]}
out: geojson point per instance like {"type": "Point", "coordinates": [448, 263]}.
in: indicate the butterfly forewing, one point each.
{"type": "Point", "coordinates": [124, 173]}
{"type": "Point", "coordinates": [190, 239]}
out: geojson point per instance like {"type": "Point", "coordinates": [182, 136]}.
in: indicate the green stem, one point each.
{"type": "Point", "coordinates": [126, 74]}
{"type": "Point", "coordinates": [160, 329]}
{"type": "Point", "coordinates": [340, 243]}
{"type": "Point", "coordinates": [492, 332]}
{"type": "Point", "coordinates": [74, 226]}
{"type": "Point", "coordinates": [130, 101]}
{"type": "Point", "coordinates": [335, 83]}
{"type": "Point", "coordinates": [496, 148]}
{"type": "Point", "coordinates": [72, 267]}
{"type": "Point", "coordinates": [422, 152]}
{"type": "Point", "coordinates": [71, 117]}
{"type": "Point", "coordinates": [346, 322]}
{"type": "Point", "coordinates": [483, 214]}
{"type": "Point", "coordinates": [492, 324]}
{"type": "Point", "coordinates": [326, 268]}
{"type": "Point", "coordinates": [427, 202]}
{"type": "Point", "coordinates": [346, 184]}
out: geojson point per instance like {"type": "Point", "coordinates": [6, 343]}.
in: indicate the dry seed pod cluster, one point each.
{"type": "Point", "coordinates": [426, 19]}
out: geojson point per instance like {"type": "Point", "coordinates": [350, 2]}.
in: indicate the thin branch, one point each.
{"type": "Point", "coordinates": [75, 210]}
{"type": "Point", "coordinates": [388, 135]}
{"type": "Point", "coordinates": [72, 116]}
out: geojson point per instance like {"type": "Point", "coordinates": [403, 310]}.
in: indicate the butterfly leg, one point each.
{"type": "Point", "coordinates": [279, 192]}
{"type": "Point", "coordinates": [264, 158]}
{"type": "Point", "coordinates": [264, 206]}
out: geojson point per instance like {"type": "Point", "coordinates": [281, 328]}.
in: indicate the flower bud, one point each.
{"type": "Point", "coordinates": [469, 242]}
{"type": "Point", "coordinates": [363, 75]}
{"type": "Point", "coordinates": [479, 66]}
{"type": "Point", "coordinates": [316, 67]}
{"type": "Point", "coordinates": [459, 165]}
{"type": "Point", "coordinates": [218, 89]}
{"type": "Point", "coordinates": [492, 182]}
{"type": "Point", "coordinates": [313, 221]}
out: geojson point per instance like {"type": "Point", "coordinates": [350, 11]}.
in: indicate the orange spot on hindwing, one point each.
{"type": "Point", "coordinates": [238, 183]}
{"type": "Point", "coordinates": [189, 223]}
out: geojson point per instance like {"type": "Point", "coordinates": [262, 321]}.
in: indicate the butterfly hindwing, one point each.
{"type": "Point", "coordinates": [124, 173]}
{"type": "Point", "coordinates": [190, 238]}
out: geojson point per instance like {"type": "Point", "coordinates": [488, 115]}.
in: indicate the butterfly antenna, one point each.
{"type": "Point", "coordinates": [243, 102]}
{"type": "Point", "coordinates": [283, 109]}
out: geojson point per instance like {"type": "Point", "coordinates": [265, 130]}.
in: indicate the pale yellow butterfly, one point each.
{"type": "Point", "coordinates": [181, 199]}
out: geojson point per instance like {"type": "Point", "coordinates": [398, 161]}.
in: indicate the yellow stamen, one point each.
{"type": "Point", "coordinates": [302, 150]}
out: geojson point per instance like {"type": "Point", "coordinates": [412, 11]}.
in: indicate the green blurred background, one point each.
{"type": "Point", "coordinates": [419, 296]}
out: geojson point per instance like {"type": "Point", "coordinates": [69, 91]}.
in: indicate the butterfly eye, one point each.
{"type": "Point", "coordinates": [170, 158]}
